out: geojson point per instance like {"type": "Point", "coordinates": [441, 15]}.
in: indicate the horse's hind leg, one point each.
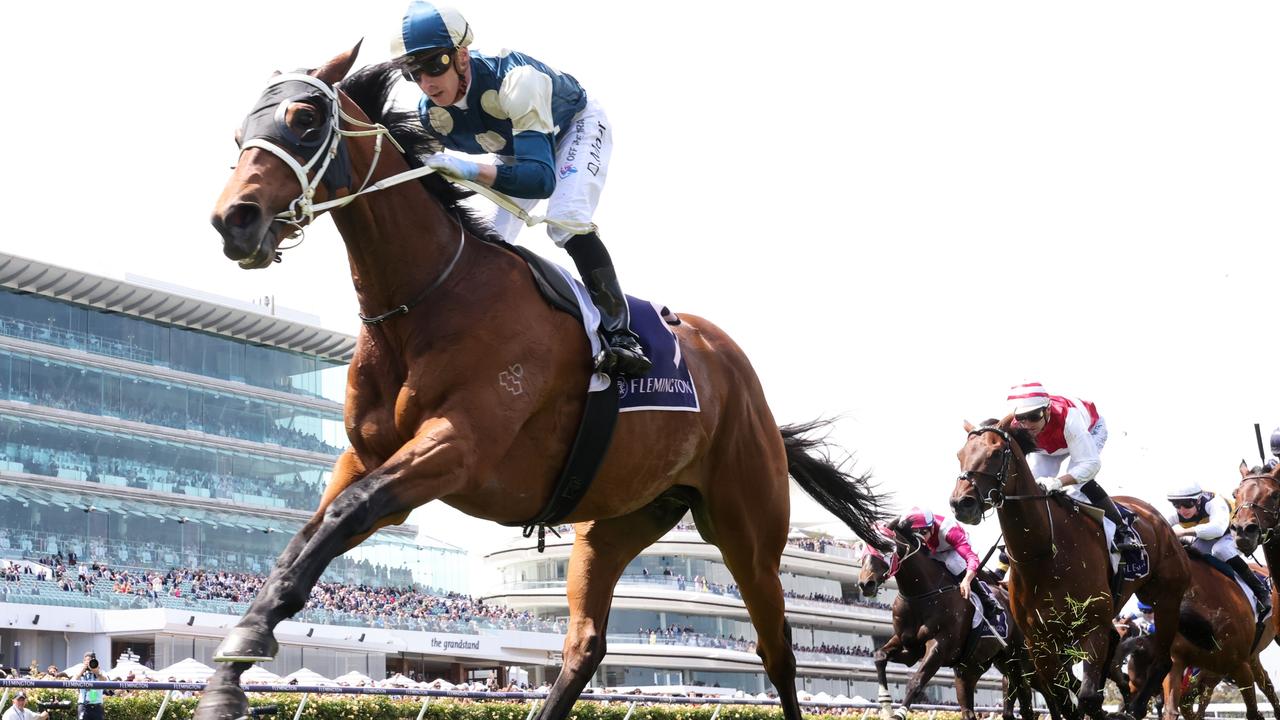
{"type": "Point", "coordinates": [746, 515]}
{"type": "Point", "coordinates": [601, 551]}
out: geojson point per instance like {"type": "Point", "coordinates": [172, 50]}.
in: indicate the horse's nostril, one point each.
{"type": "Point", "coordinates": [243, 215]}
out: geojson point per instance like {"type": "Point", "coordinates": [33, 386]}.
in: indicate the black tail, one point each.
{"type": "Point", "coordinates": [846, 496]}
{"type": "Point", "coordinates": [1196, 628]}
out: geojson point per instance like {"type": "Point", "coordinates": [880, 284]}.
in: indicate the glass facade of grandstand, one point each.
{"type": "Point", "coordinates": [141, 444]}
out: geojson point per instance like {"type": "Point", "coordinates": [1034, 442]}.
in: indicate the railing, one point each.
{"type": "Point", "coordinates": [671, 582]}
{"type": "Point", "coordinates": [426, 695]}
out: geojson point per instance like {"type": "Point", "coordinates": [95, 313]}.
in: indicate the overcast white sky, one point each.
{"type": "Point", "coordinates": [897, 209]}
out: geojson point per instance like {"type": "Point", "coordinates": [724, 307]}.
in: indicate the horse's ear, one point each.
{"type": "Point", "coordinates": [1006, 423]}
{"type": "Point", "coordinates": [336, 69]}
{"type": "Point", "coordinates": [1244, 469]}
{"type": "Point", "coordinates": [968, 426]}
{"type": "Point", "coordinates": [1275, 472]}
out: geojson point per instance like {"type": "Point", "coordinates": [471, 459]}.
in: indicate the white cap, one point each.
{"type": "Point", "coordinates": [1026, 397]}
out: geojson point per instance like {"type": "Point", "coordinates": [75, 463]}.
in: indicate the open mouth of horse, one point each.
{"type": "Point", "coordinates": [869, 588]}
{"type": "Point", "coordinates": [251, 242]}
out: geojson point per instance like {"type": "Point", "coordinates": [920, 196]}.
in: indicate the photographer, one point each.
{"type": "Point", "coordinates": [90, 700]}
{"type": "Point", "coordinates": [18, 710]}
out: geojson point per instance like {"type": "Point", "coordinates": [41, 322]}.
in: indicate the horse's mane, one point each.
{"type": "Point", "coordinates": [370, 88]}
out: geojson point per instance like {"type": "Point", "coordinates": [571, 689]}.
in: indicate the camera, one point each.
{"type": "Point", "coordinates": [54, 705]}
{"type": "Point", "coordinates": [93, 661]}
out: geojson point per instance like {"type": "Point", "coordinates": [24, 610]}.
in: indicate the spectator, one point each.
{"type": "Point", "coordinates": [18, 710]}
{"type": "Point", "coordinates": [90, 700]}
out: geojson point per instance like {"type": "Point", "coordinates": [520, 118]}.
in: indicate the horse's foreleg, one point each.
{"type": "Point", "coordinates": [1161, 642]}
{"type": "Point", "coordinates": [915, 686]}
{"type": "Point", "coordinates": [601, 551]}
{"type": "Point", "coordinates": [881, 658]}
{"type": "Point", "coordinates": [1173, 689]}
{"type": "Point", "coordinates": [434, 463]}
{"type": "Point", "coordinates": [1264, 682]}
{"type": "Point", "coordinates": [1097, 645]}
{"type": "Point", "coordinates": [966, 681]}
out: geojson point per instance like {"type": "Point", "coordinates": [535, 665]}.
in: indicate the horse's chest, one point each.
{"type": "Point", "coordinates": [378, 423]}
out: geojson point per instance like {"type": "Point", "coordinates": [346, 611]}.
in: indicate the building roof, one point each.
{"type": "Point", "coordinates": [220, 318]}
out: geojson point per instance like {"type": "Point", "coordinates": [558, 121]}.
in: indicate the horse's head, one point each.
{"type": "Point", "coordinates": [289, 156]}
{"type": "Point", "coordinates": [877, 566]}
{"type": "Point", "coordinates": [1257, 507]}
{"type": "Point", "coordinates": [987, 469]}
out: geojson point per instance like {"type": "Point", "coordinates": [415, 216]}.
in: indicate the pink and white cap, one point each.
{"type": "Point", "coordinates": [1026, 397]}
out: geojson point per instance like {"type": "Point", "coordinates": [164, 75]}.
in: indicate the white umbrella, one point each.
{"type": "Point", "coordinates": [141, 673]}
{"type": "Point", "coordinates": [439, 684]}
{"type": "Point", "coordinates": [355, 677]}
{"type": "Point", "coordinates": [258, 675]}
{"type": "Point", "coordinates": [858, 699]}
{"type": "Point", "coordinates": [841, 699]}
{"type": "Point", "coordinates": [398, 680]}
{"type": "Point", "coordinates": [822, 697]}
{"type": "Point", "coordinates": [189, 670]}
{"type": "Point", "coordinates": [308, 677]}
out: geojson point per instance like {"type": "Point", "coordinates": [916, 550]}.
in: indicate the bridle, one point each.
{"type": "Point", "coordinates": [329, 158]}
{"type": "Point", "coordinates": [1272, 514]}
{"type": "Point", "coordinates": [278, 139]}
{"type": "Point", "coordinates": [995, 497]}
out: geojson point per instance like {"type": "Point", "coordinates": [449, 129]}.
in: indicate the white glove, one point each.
{"type": "Point", "coordinates": [1187, 539]}
{"type": "Point", "coordinates": [1049, 484]}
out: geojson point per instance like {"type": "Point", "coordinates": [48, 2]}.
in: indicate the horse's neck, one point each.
{"type": "Point", "coordinates": [1026, 524]}
{"type": "Point", "coordinates": [1271, 551]}
{"type": "Point", "coordinates": [919, 574]}
{"type": "Point", "coordinates": [399, 241]}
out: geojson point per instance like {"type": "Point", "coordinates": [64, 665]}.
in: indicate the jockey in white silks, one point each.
{"type": "Point", "coordinates": [1203, 520]}
{"type": "Point", "coordinates": [1067, 429]}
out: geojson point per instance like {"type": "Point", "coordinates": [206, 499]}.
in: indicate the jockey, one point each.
{"type": "Point", "coordinates": [551, 141]}
{"type": "Point", "coordinates": [1272, 461]}
{"type": "Point", "coordinates": [1203, 521]}
{"type": "Point", "coordinates": [1065, 427]}
{"type": "Point", "coordinates": [948, 542]}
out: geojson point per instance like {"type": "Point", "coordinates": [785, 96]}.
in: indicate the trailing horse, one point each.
{"type": "Point", "coordinates": [933, 625]}
{"type": "Point", "coordinates": [466, 387]}
{"type": "Point", "coordinates": [1060, 591]}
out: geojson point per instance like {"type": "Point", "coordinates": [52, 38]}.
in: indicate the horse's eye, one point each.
{"type": "Point", "coordinates": [305, 117]}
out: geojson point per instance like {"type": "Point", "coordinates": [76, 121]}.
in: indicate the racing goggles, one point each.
{"type": "Point", "coordinates": [432, 64]}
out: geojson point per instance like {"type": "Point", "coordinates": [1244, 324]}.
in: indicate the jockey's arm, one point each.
{"type": "Point", "coordinates": [525, 97]}
{"type": "Point", "coordinates": [1219, 520]}
{"type": "Point", "coordinates": [959, 540]}
{"type": "Point", "coordinates": [1084, 462]}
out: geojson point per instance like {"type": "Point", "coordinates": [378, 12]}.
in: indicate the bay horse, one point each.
{"type": "Point", "coordinates": [432, 413]}
{"type": "Point", "coordinates": [932, 623]}
{"type": "Point", "coordinates": [1059, 587]}
{"type": "Point", "coordinates": [1219, 638]}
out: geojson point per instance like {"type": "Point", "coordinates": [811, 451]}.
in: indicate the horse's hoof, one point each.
{"type": "Point", "coordinates": [245, 645]}
{"type": "Point", "coordinates": [225, 702]}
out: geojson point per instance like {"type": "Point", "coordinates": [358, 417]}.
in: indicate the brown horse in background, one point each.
{"type": "Point", "coordinates": [1217, 633]}
{"type": "Point", "coordinates": [432, 412]}
{"type": "Point", "coordinates": [932, 623]}
{"type": "Point", "coordinates": [1059, 581]}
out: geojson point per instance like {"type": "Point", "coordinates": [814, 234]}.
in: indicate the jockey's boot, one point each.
{"type": "Point", "coordinates": [1125, 539]}
{"type": "Point", "coordinates": [1259, 588]}
{"type": "Point", "coordinates": [596, 269]}
{"type": "Point", "coordinates": [988, 601]}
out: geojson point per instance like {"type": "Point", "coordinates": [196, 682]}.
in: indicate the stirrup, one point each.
{"type": "Point", "coordinates": [1127, 541]}
{"type": "Point", "coordinates": [628, 356]}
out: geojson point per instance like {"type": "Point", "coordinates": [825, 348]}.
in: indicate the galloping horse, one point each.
{"type": "Point", "coordinates": [432, 412]}
{"type": "Point", "coordinates": [1217, 634]}
{"type": "Point", "coordinates": [1059, 589]}
{"type": "Point", "coordinates": [931, 620]}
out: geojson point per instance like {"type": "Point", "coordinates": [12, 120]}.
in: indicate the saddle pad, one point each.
{"type": "Point", "coordinates": [1225, 569]}
{"type": "Point", "coordinates": [999, 627]}
{"type": "Point", "coordinates": [669, 386]}
{"type": "Point", "coordinates": [1135, 564]}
